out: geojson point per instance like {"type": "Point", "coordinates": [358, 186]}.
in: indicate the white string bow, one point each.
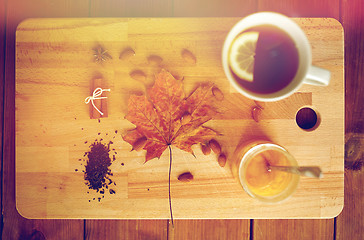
{"type": "Point", "coordinates": [96, 95]}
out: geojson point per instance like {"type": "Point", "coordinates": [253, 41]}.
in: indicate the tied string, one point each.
{"type": "Point", "coordinates": [96, 95]}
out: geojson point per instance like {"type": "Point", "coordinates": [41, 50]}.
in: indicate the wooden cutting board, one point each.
{"type": "Point", "coordinates": [54, 68]}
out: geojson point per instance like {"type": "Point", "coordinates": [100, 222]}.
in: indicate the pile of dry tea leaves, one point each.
{"type": "Point", "coordinates": [97, 172]}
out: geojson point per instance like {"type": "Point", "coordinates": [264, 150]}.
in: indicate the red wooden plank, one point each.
{"type": "Point", "coordinates": [129, 8]}
{"type": "Point", "coordinates": [210, 229]}
{"type": "Point", "coordinates": [2, 77]}
{"type": "Point", "coordinates": [350, 223]}
{"type": "Point", "coordinates": [294, 229]}
{"type": "Point", "coordinates": [299, 8]}
{"type": "Point", "coordinates": [353, 22]}
{"type": "Point", "coordinates": [15, 226]}
{"type": "Point", "coordinates": [126, 229]}
{"type": "Point", "coordinates": [213, 8]}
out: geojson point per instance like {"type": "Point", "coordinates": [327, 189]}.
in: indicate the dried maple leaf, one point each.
{"type": "Point", "coordinates": [166, 117]}
{"type": "Point", "coordinates": [159, 116]}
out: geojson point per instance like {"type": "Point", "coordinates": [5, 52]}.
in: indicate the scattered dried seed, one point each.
{"type": "Point", "coordinates": [185, 177]}
{"type": "Point", "coordinates": [215, 146]}
{"type": "Point", "coordinates": [205, 148]}
{"type": "Point", "coordinates": [155, 59]}
{"type": "Point", "coordinates": [139, 144]}
{"type": "Point", "coordinates": [138, 75]}
{"type": "Point", "coordinates": [177, 76]}
{"type": "Point", "coordinates": [127, 54]}
{"type": "Point", "coordinates": [188, 56]}
{"type": "Point", "coordinates": [221, 160]}
{"type": "Point", "coordinates": [256, 112]}
{"type": "Point", "coordinates": [186, 118]}
{"type": "Point", "coordinates": [217, 94]}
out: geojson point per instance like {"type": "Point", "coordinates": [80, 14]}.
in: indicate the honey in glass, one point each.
{"type": "Point", "coordinates": [251, 167]}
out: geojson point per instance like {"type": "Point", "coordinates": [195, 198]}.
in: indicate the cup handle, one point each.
{"type": "Point", "coordinates": [318, 76]}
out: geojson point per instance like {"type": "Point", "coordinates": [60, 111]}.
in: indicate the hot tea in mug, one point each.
{"type": "Point", "coordinates": [266, 56]}
{"type": "Point", "coordinates": [274, 59]}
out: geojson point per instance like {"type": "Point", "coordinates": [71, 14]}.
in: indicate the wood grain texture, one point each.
{"type": "Point", "coordinates": [126, 229]}
{"type": "Point", "coordinates": [37, 229]}
{"type": "Point", "coordinates": [128, 8]}
{"type": "Point", "coordinates": [309, 8]}
{"type": "Point", "coordinates": [350, 223]}
{"type": "Point", "coordinates": [352, 17]}
{"type": "Point", "coordinates": [294, 229]}
{"type": "Point", "coordinates": [142, 188]}
{"type": "Point", "coordinates": [213, 8]}
{"type": "Point", "coordinates": [210, 229]}
{"type": "Point", "coordinates": [15, 226]}
{"type": "Point", "coordinates": [2, 78]}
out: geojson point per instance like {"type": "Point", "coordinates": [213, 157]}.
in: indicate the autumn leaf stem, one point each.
{"type": "Point", "coordinates": [169, 183]}
{"type": "Point", "coordinates": [165, 117]}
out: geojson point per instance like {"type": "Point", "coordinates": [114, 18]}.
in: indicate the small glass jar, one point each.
{"type": "Point", "coordinates": [251, 167]}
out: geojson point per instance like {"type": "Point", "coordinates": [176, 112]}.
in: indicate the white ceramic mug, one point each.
{"type": "Point", "coordinates": [306, 73]}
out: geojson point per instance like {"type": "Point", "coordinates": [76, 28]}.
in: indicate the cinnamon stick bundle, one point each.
{"type": "Point", "coordinates": [100, 104]}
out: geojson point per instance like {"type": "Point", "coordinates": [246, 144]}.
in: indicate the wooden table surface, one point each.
{"type": "Point", "coordinates": [348, 225]}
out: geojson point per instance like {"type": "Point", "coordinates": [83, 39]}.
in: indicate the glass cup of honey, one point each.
{"type": "Point", "coordinates": [251, 166]}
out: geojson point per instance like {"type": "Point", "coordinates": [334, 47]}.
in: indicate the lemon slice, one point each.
{"type": "Point", "coordinates": [242, 53]}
